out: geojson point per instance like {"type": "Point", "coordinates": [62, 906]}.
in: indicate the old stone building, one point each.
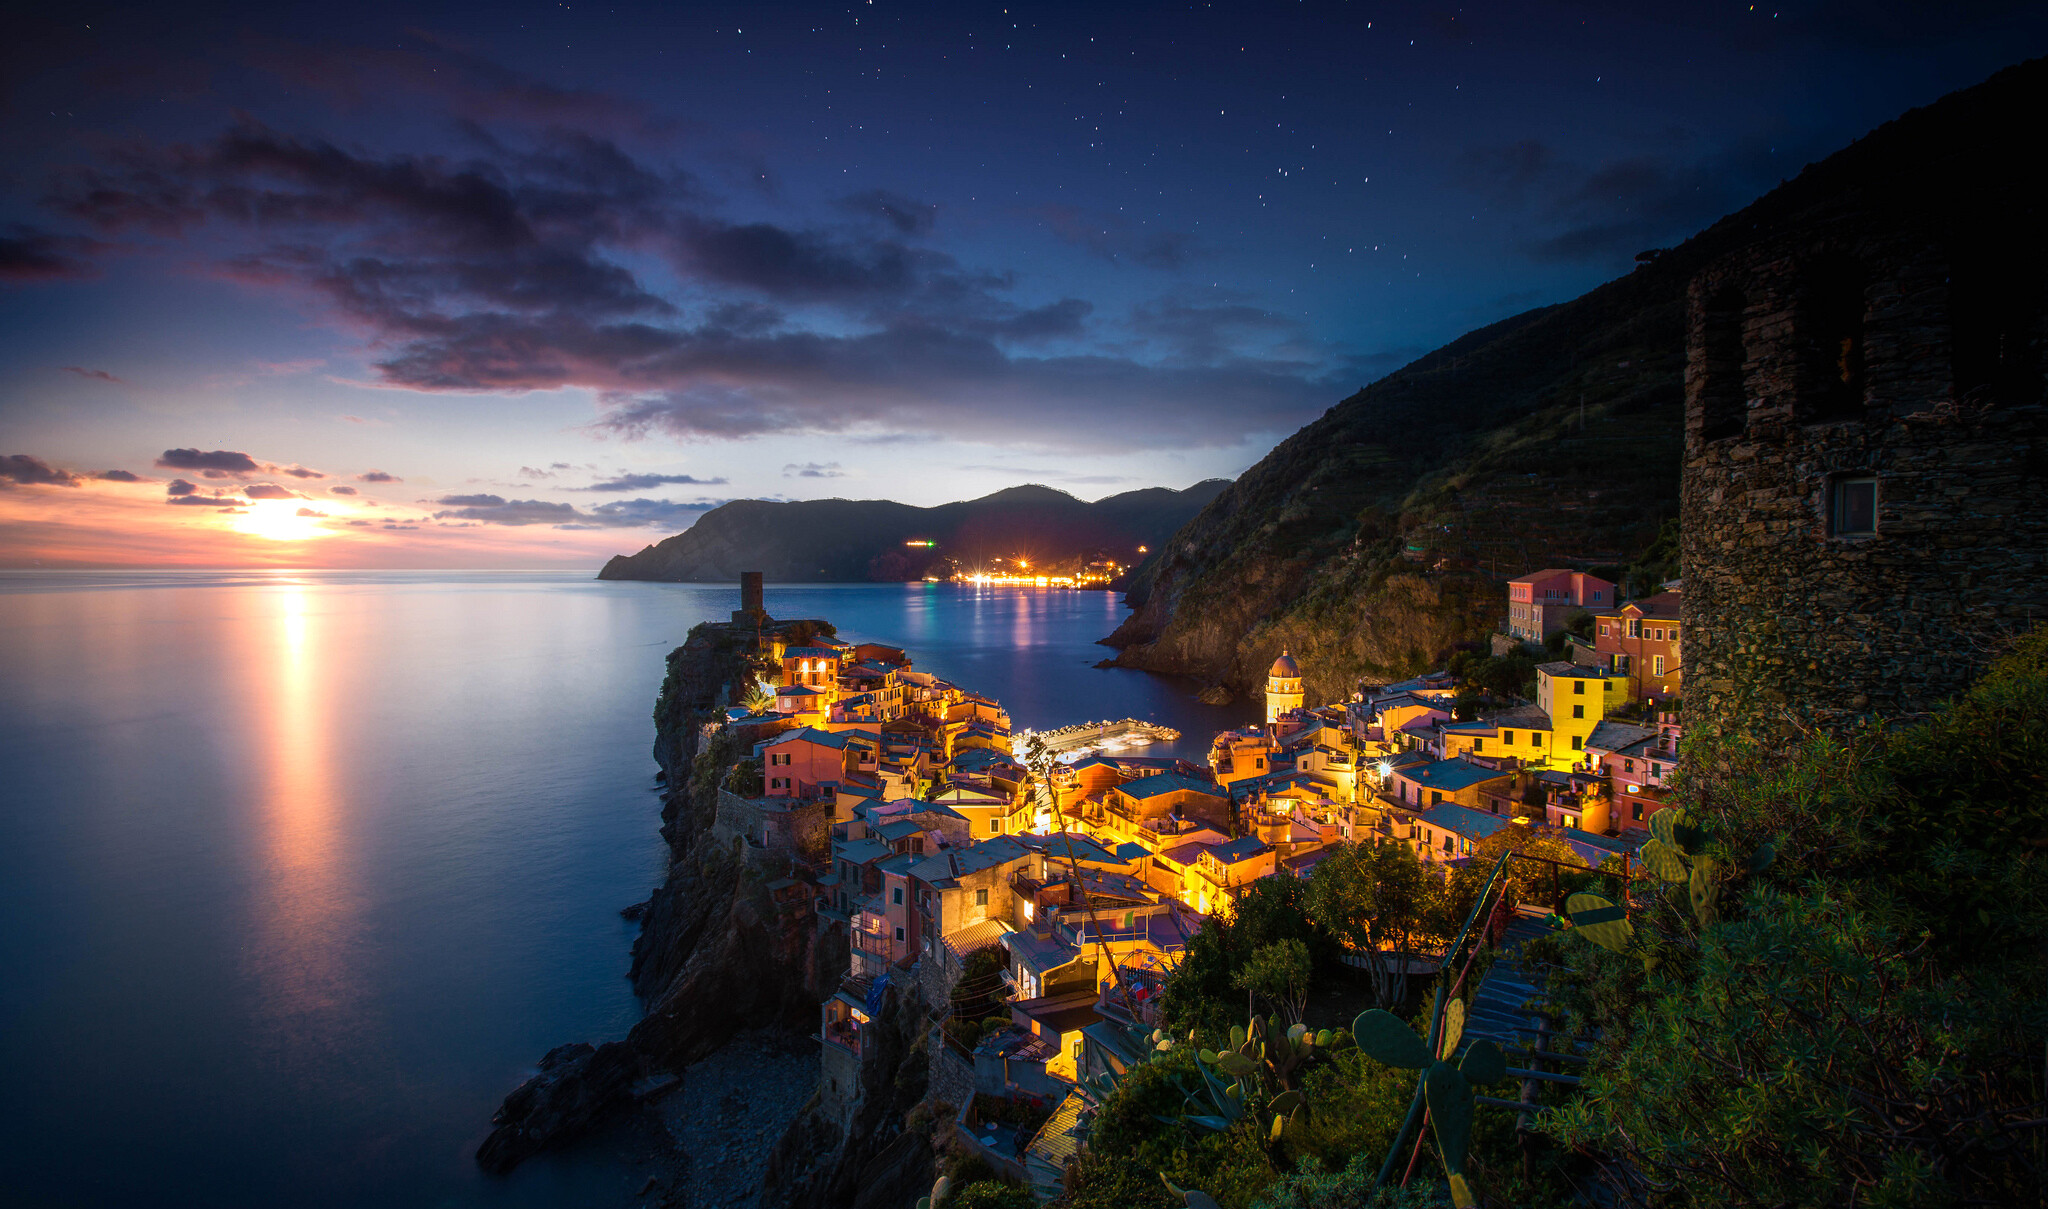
{"type": "Point", "coordinates": [1865, 492]}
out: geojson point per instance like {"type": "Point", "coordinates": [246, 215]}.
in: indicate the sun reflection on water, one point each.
{"type": "Point", "coordinates": [305, 904]}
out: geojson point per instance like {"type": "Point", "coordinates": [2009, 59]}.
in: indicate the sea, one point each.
{"type": "Point", "coordinates": [301, 872]}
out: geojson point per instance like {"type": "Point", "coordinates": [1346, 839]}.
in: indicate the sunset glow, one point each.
{"type": "Point", "coordinates": [278, 521]}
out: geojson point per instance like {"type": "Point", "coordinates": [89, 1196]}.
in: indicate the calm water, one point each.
{"type": "Point", "coordinates": [300, 872]}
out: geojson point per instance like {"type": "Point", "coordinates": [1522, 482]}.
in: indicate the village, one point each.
{"type": "Point", "coordinates": [1060, 876]}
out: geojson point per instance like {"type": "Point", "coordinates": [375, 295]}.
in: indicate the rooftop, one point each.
{"type": "Point", "coordinates": [1463, 820]}
{"type": "Point", "coordinates": [1169, 782]}
{"type": "Point", "coordinates": [1450, 775]}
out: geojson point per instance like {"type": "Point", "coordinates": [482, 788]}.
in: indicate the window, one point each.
{"type": "Point", "coordinates": [1507, 738]}
{"type": "Point", "coordinates": [1832, 316]}
{"type": "Point", "coordinates": [1621, 663]}
{"type": "Point", "coordinates": [981, 898]}
{"type": "Point", "coordinates": [1596, 596]}
{"type": "Point", "coordinates": [1656, 770]}
{"type": "Point", "coordinates": [1577, 742]}
{"type": "Point", "coordinates": [1724, 391]}
{"type": "Point", "coordinates": [992, 826]}
{"type": "Point", "coordinates": [1603, 630]}
{"type": "Point", "coordinates": [1636, 808]}
{"type": "Point", "coordinates": [896, 896]}
{"type": "Point", "coordinates": [1436, 797]}
{"type": "Point", "coordinates": [1852, 507]}
{"type": "Point", "coordinates": [1628, 765]}
{"type": "Point", "coordinates": [1578, 711]}
{"type": "Point", "coordinates": [1479, 743]}
{"type": "Point", "coordinates": [1635, 627]}
{"type": "Point", "coordinates": [1578, 688]}
{"type": "Point", "coordinates": [1657, 666]}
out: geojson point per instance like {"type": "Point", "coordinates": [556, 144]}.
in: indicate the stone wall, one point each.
{"type": "Point", "coordinates": [771, 831]}
{"type": "Point", "coordinates": [1866, 338]}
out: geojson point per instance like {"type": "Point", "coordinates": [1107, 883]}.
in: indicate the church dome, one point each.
{"type": "Point", "coordinates": [1285, 668]}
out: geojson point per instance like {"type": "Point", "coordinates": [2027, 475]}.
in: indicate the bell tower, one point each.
{"type": "Point", "coordinates": [1283, 687]}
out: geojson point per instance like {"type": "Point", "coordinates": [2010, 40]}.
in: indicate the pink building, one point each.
{"type": "Point", "coordinates": [1540, 602]}
{"type": "Point", "coordinates": [798, 762]}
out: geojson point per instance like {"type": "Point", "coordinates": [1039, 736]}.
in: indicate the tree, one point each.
{"type": "Point", "coordinates": [1279, 974]}
{"type": "Point", "coordinates": [1379, 903]}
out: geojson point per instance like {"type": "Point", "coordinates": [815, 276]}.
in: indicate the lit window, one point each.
{"type": "Point", "coordinates": [1852, 510]}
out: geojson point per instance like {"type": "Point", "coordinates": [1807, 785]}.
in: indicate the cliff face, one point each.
{"type": "Point", "coordinates": [1375, 538]}
{"type": "Point", "coordinates": [717, 954]}
{"type": "Point", "coordinates": [862, 540]}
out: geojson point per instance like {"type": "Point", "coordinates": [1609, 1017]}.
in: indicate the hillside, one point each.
{"type": "Point", "coordinates": [1377, 537]}
{"type": "Point", "coordinates": [863, 540]}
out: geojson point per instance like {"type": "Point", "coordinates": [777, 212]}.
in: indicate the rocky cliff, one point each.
{"type": "Point", "coordinates": [1378, 536]}
{"type": "Point", "coordinates": [717, 954]}
{"type": "Point", "coordinates": [863, 540]}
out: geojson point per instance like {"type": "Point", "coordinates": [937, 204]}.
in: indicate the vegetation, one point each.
{"type": "Point", "coordinates": [1829, 989]}
{"type": "Point", "coordinates": [1838, 995]}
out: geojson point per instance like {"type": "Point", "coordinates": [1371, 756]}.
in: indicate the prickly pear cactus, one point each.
{"type": "Point", "coordinates": [1600, 921]}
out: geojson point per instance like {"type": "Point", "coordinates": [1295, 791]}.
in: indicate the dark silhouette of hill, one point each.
{"type": "Point", "coordinates": [1376, 538]}
{"type": "Point", "coordinates": [855, 540]}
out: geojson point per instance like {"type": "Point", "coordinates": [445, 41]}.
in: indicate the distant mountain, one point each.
{"type": "Point", "coordinates": [839, 541]}
{"type": "Point", "coordinates": [1377, 538]}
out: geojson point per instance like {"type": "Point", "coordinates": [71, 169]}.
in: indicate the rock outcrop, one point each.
{"type": "Point", "coordinates": [717, 953]}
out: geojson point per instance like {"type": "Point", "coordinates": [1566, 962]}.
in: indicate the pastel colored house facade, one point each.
{"type": "Point", "coordinates": [1576, 698]}
{"type": "Point", "coordinates": [1541, 602]}
{"type": "Point", "coordinates": [1642, 640]}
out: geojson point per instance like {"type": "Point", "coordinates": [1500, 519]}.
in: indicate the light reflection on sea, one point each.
{"type": "Point", "coordinates": [299, 872]}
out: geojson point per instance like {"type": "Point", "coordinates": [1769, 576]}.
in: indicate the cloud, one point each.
{"type": "Point", "coordinates": [270, 491]}
{"type": "Point", "coordinates": [905, 216]}
{"type": "Point", "coordinates": [641, 482]}
{"type": "Point", "coordinates": [813, 470]}
{"type": "Point", "coordinates": [617, 514]}
{"type": "Point", "coordinates": [212, 464]}
{"type": "Point", "coordinates": [341, 491]}
{"type": "Point", "coordinates": [377, 476]}
{"type": "Point", "coordinates": [28, 254]}
{"type": "Point", "coordinates": [1572, 212]}
{"type": "Point", "coordinates": [208, 501]}
{"type": "Point", "coordinates": [299, 472]}
{"type": "Point", "coordinates": [33, 471]}
{"type": "Point", "coordinates": [310, 512]}
{"type": "Point", "coordinates": [96, 374]}
{"type": "Point", "coordinates": [181, 487]}
{"type": "Point", "coordinates": [362, 523]}
{"type": "Point", "coordinates": [506, 272]}
{"type": "Point", "coordinates": [121, 476]}
{"type": "Point", "coordinates": [1118, 239]}
{"type": "Point", "coordinates": [463, 83]}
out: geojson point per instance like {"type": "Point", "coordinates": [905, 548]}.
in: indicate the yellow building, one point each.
{"type": "Point", "coordinates": [1283, 687]}
{"type": "Point", "coordinates": [1576, 698]}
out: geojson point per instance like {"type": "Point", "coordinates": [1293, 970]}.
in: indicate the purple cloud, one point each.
{"type": "Point", "coordinates": [212, 464]}
{"type": "Point", "coordinates": [271, 491]}
{"type": "Point", "coordinates": [33, 471]}
{"type": "Point", "coordinates": [642, 482]}
{"type": "Point", "coordinates": [377, 476]}
{"type": "Point", "coordinates": [341, 491]}
{"type": "Point", "coordinates": [99, 375]}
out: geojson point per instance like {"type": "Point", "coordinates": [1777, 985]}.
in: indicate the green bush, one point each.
{"type": "Point", "coordinates": [991, 1194]}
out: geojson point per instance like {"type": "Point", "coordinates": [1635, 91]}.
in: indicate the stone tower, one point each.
{"type": "Point", "coordinates": [1283, 687]}
{"type": "Point", "coordinates": [1864, 502]}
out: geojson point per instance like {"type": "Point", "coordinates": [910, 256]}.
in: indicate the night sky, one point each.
{"type": "Point", "coordinates": [529, 284]}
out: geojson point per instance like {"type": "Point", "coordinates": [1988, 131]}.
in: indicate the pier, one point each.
{"type": "Point", "coordinates": [1106, 736]}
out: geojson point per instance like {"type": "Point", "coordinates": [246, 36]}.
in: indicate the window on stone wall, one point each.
{"type": "Point", "coordinates": [1852, 507]}
{"type": "Point", "coordinates": [1831, 380]}
{"type": "Point", "coordinates": [1724, 397]}
{"type": "Point", "coordinates": [1995, 304]}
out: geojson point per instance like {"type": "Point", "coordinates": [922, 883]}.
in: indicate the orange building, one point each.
{"type": "Point", "coordinates": [1641, 638]}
